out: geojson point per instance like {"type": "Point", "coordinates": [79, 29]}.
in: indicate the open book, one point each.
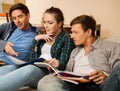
{"type": "Point", "coordinates": [73, 78]}
{"type": "Point", "coordinates": [21, 62]}
{"type": "Point", "coordinates": [64, 75]}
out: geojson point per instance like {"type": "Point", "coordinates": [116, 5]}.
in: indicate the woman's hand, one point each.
{"type": "Point", "coordinates": [45, 37]}
{"type": "Point", "coordinates": [54, 62]}
{"type": "Point", "coordinates": [97, 76]}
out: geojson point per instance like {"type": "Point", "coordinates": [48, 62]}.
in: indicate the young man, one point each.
{"type": "Point", "coordinates": [93, 56]}
{"type": "Point", "coordinates": [16, 36]}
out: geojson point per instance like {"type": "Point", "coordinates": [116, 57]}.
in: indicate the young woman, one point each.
{"type": "Point", "coordinates": [55, 46]}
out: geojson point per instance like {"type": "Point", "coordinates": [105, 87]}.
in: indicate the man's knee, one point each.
{"type": "Point", "coordinates": [51, 83]}
{"type": "Point", "coordinates": [42, 84]}
{"type": "Point", "coordinates": [116, 70]}
{"type": "Point", "coordinates": [46, 79]}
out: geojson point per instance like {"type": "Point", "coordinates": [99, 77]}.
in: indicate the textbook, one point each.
{"type": "Point", "coordinates": [64, 75]}
{"type": "Point", "coordinates": [23, 63]}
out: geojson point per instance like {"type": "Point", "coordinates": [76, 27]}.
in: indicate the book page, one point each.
{"type": "Point", "coordinates": [71, 81]}
{"type": "Point", "coordinates": [15, 60]}
{"type": "Point", "coordinates": [74, 79]}
{"type": "Point", "coordinates": [72, 74]}
{"type": "Point", "coordinates": [44, 64]}
{"type": "Point", "coordinates": [23, 63]}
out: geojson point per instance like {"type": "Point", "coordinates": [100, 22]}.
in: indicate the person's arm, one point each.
{"type": "Point", "coordinates": [2, 45]}
{"type": "Point", "coordinates": [115, 55]}
{"type": "Point", "coordinates": [66, 49]}
{"type": "Point", "coordinates": [2, 42]}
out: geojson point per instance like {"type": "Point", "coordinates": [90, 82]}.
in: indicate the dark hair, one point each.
{"type": "Point", "coordinates": [58, 14]}
{"type": "Point", "coordinates": [19, 6]}
{"type": "Point", "coordinates": [87, 22]}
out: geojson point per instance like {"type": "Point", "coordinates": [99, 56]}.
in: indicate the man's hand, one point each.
{"type": "Point", "coordinates": [9, 49]}
{"type": "Point", "coordinates": [97, 76]}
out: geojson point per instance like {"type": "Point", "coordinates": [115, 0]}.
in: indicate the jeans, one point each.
{"type": "Point", "coordinates": [112, 83]}
{"type": "Point", "coordinates": [12, 77]}
{"type": "Point", "coordinates": [5, 59]}
{"type": "Point", "coordinates": [52, 83]}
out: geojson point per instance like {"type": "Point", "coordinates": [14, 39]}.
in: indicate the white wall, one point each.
{"type": "Point", "coordinates": [106, 12]}
{"type": "Point", "coordinates": [8, 1]}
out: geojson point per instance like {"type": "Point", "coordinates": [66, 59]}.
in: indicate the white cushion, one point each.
{"type": "Point", "coordinates": [113, 39]}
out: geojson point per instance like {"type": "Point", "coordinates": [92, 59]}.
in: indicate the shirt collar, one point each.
{"type": "Point", "coordinates": [97, 43]}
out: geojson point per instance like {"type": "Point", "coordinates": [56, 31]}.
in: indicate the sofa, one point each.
{"type": "Point", "coordinates": [113, 39]}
